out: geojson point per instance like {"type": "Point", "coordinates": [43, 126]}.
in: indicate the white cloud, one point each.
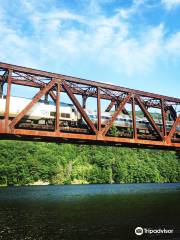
{"type": "Point", "coordinates": [61, 38]}
{"type": "Point", "coordinates": [170, 4]}
{"type": "Point", "coordinates": [132, 55]}
{"type": "Point", "coordinates": [173, 46]}
{"type": "Point", "coordinates": [128, 12]}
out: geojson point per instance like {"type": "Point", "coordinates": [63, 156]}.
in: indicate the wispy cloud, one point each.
{"type": "Point", "coordinates": [170, 4]}
{"type": "Point", "coordinates": [60, 38]}
{"type": "Point", "coordinates": [134, 8]}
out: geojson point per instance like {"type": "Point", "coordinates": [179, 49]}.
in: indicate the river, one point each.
{"type": "Point", "coordinates": [82, 212]}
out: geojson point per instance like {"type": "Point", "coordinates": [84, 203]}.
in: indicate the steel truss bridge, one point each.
{"type": "Point", "coordinates": [78, 90]}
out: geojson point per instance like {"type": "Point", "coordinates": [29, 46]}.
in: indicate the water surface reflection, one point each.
{"type": "Point", "coordinates": [88, 211]}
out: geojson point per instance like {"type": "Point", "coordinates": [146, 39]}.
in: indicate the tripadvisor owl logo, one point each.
{"type": "Point", "coordinates": [139, 231]}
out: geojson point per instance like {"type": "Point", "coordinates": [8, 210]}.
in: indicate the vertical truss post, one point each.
{"type": "Point", "coordinates": [134, 118]}
{"type": "Point", "coordinates": [163, 113]}
{"type": "Point", "coordinates": [99, 109]}
{"type": "Point", "coordinates": [57, 127]}
{"type": "Point", "coordinates": [116, 105]}
{"type": "Point", "coordinates": [84, 99]}
{"type": "Point", "coordinates": [46, 98]}
{"type": "Point", "coordinates": [6, 114]}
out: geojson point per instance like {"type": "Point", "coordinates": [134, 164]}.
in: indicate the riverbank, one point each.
{"type": "Point", "coordinates": [42, 183]}
{"type": "Point", "coordinates": [35, 163]}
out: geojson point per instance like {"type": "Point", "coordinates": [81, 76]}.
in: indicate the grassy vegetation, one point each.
{"type": "Point", "coordinates": [27, 162]}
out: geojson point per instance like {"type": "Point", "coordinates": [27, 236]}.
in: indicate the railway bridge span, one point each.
{"type": "Point", "coordinates": [99, 113]}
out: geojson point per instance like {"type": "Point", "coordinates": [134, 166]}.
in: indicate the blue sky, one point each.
{"type": "Point", "coordinates": [128, 43]}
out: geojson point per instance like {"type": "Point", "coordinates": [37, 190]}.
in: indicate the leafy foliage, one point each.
{"type": "Point", "coordinates": [24, 163]}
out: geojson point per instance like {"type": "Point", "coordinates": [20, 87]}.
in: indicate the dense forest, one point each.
{"type": "Point", "coordinates": [24, 163]}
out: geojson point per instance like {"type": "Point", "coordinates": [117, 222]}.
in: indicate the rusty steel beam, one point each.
{"type": "Point", "coordinates": [98, 109]}
{"type": "Point", "coordinates": [148, 116]}
{"type": "Point", "coordinates": [116, 113]}
{"type": "Point", "coordinates": [40, 85]}
{"type": "Point", "coordinates": [104, 139]}
{"type": "Point", "coordinates": [57, 127]}
{"type": "Point", "coordinates": [79, 107]}
{"type": "Point", "coordinates": [6, 114]}
{"type": "Point", "coordinates": [110, 106]}
{"type": "Point", "coordinates": [163, 114]}
{"type": "Point", "coordinates": [26, 83]}
{"type": "Point", "coordinates": [41, 73]}
{"type": "Point", "coordinates": [134, 119]}
{"type": "Point", "coordinates": [53, 96]}
{"type": "Point", "coordinates": [85, 94]}
{"type": "Point", "coordinates": [172, 112]}
{"type": "Point", "coordinates": [35, 99]}
{"type": "Point", "coordinates": [31, 84]}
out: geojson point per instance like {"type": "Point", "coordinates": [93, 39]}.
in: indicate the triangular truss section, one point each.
{"type": "Point", "coordinates": [173, 129]}
{"type": "Point", "coordinates": [119, 109]}
{"type": "Point", "coordinates": [148, 116]}
{"type": "Point", "coordinates": [34, 100]}
{"type": "Point", "coordinates": [79, 107]}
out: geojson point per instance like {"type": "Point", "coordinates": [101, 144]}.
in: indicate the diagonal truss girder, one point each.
{"type": "Point", "coordinates": [35, 99]}
{"type": "Point", "coordinates": [79, 107]}
{"type": "Point", "coordinates": [115, 114]}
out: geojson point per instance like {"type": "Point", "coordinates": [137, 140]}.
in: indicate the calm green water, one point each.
{"type": "Point", "coordinates": [89, 211]}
